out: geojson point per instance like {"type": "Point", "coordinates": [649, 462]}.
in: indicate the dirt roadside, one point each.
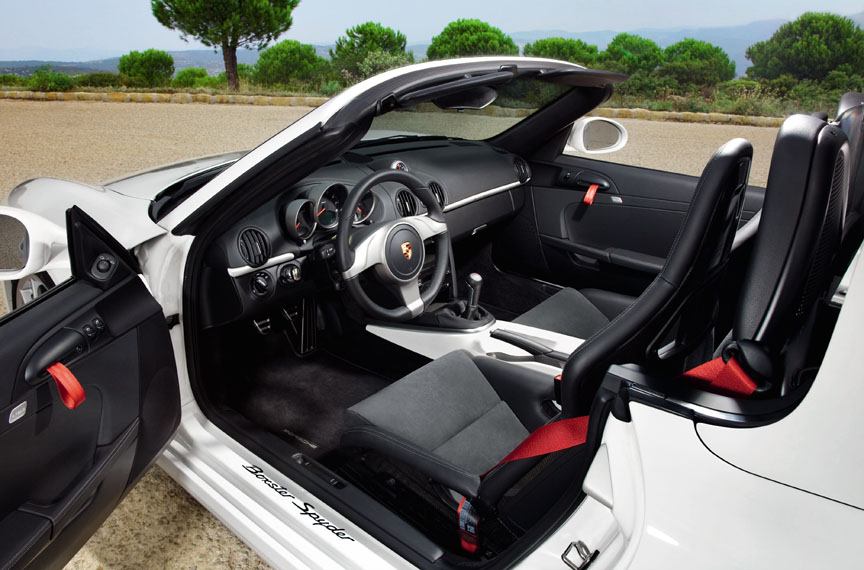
{"type": "Point", "coordinates": [159, 525]}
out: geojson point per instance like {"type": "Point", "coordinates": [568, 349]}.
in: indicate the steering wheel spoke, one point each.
{"type": "Point", "coordinates": [368, 253]}
{"type": "Point", "coordinates": [410, 295]}
{"type": "Point", "coordinates": [426, 226]}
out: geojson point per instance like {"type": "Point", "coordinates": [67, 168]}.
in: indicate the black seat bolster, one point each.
{"type": "Point", "coordinates": [523, 389]}
{"type": "Point", "coordinates": [390, 445]}
{"type": "Point", "coordinates": [609, 303]}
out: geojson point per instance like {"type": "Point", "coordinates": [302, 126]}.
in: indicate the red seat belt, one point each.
{"type": "Point", "coordinates": [71, 391]}
{"type": "Point", "coordinates": [552, 437]}
{"type": "Point", "coordinates": [727, 378]}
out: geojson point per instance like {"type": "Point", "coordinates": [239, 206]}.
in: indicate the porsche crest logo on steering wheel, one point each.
{"type": "Point", "coordinates": [406, 250]}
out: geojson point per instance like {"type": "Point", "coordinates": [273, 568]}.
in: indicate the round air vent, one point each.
{"type": "Point", "coordinates": [438, 192]}
{"type": "Point", "coordinates": [522, 170]}
{"type": "Point", "coordinates": [406, 205]}
{"type": "Point", "coordinates": [254, 247]}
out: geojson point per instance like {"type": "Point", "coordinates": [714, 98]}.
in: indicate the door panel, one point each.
{"type": "Point", "coordinates": [65, 470]}
{"type": "Point", "coordinates": [621, 240]}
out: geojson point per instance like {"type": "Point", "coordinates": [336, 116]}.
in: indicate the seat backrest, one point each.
{"type": "Point", "coordinates": [850, 118]}
{"type": "Point", "coordinates": [799, 233]}
{"type": "Point", "coordinates": [684, 292]}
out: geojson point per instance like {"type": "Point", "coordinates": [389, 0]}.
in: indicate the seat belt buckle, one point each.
{"type": "Point", "coordinates": [469, 537]}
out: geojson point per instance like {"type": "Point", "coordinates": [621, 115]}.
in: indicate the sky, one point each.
{"type": "Point", "coordinates": [90, 29]}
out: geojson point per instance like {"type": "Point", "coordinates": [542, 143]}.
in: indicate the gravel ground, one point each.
{"type": "Point", "coordinates": [159, 525]}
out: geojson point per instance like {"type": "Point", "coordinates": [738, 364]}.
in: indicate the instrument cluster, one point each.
{"type": "Point", "coordinates": [321, 209]}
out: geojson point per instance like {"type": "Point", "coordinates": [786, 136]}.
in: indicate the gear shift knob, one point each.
{"type": "Point", "coordinates": [475, 282]}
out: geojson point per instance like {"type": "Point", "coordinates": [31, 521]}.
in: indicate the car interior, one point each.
{"type": "Point", "coordinates": [400, 325]}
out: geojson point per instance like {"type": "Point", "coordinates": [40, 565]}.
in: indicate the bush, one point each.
{"type": "Point", "coordinates": [380, 61]}
{"type": "Point", "coordinates": [361, 41]}
{"type": "Point", "coordinates": [210, 82]}
{"type": "Point", "coordinates": [150, 68]}
{"type": "Point", "coordinates": [285, 61]}
{"type": "Point", "coordinates": [697, 63]}
{"type": "Point", "coordinates": [99, 79]}
{"type": "Point", "coordinates": [43, 79]}
{"type": "Point", "coordinates": [465, 38]}
{"type": "Point", "coordinates": [809, 48]}
{"type": "Point", "coordinates": [330, 88]}
{"type": "Point", "coordinates": [576, 51]}
{"type": "Point", "coordinates": [629, 53]}
{"type": "Point", "coordinates": [10, 80]}
{"type": "Point", "coordinates": [187, 77]}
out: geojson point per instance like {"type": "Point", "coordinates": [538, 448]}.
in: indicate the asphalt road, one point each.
{"type": "Point", "coordinates": [159, 525]}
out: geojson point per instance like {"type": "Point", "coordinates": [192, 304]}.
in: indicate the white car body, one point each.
{"type": "Point", "coordinates": [663, 492]}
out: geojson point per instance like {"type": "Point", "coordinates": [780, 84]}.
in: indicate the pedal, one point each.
{"type": "Point", "coordinates": [263, 326]}
{"type": "Point", "coordinates": [302, 330]}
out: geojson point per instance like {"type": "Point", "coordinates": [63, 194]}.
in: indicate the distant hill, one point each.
{"type": "Point", "coordinates": [733, 39]}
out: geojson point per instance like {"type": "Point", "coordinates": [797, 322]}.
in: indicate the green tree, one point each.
{"type": "Point", "coordinates": [377, 62]}
{"type": "Point", "coordinates": [150, 68]}
{"type": "Point", "coordinates": [227, 24]}
{"type": "Point", "coordinates": [697, 63]}
{"type": "Point", "coordinates": [465, 38]}
{"type": "Point", "coordinates": [809, 48]}
{"type": "Point", "coordinates": [629, 53]}
{"type": "Point", "coordinates": [287, 60]}
{"type": "Point", "coordinates": [576, 51]}
{"type": "Point", "coordinates": [363, 39]}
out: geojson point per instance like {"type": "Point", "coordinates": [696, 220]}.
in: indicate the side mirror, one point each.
{"type": "Point", "coordinates": [596, 135]}
{"type": "Point", "coordinates": [27, 243]}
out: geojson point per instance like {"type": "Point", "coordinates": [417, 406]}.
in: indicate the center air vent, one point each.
{"type": "Point", "coordinates": [254, 247]}
{"type": "Point", "coordinates": [522, 170]}
{"type": "Point", "coordinates": [406, 205]}
{"type": "Point", "coordinates": [438, 192]}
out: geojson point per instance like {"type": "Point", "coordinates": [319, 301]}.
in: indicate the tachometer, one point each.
{"type": "Point", "coordinates": [364, 208]}
{"type": "Point", "coordinates": [328, 204]}
{"type": "Point", "coordinates": [299, 219]}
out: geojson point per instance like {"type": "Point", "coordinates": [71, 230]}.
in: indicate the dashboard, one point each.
{"type": "Point", "coordinates": [285, 249]}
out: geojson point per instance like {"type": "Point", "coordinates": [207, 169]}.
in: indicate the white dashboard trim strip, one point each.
{"type": "Point", "coordinates": [481, 195]}
{"type": "Point", "coordinates": [246, 270]}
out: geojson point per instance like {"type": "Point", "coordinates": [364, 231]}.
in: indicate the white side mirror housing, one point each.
{"type": "Point", "coordinates": [27, 243]}
{"type": "Point", "coordinates": [596, 135]}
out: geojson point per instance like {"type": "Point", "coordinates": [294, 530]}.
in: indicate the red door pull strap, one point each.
{"type": "Point", "coordinates": [589, 195]}
{"type": "Point", "coordinates": [70, 389]}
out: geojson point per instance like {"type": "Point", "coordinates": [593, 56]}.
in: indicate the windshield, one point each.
{"type": "Point", "coordinates": [514, 102]}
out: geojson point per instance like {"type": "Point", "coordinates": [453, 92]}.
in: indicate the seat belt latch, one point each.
{"type": "Point", "coordinates": [469, 538]}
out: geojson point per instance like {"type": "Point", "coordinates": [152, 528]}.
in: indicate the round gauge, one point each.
{"type": "Point", "coordinates": [364, 208]}
{"type": "Point", "coordinates": [300, 219]}
{"type": "Point", "coordinates": [399, 165]}
{"type": "Point", "coordinates": [328, 205]}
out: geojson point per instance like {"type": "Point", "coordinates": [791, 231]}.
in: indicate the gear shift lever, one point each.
{"type": "Point", "coordinates": [475, 282]}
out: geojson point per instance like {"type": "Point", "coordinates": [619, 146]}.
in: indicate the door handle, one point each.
{"type": "Point", "coordinates": [63, 346]}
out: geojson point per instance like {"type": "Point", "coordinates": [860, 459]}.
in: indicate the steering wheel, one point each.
{"type": "Point", "coordinates": [394, 249]}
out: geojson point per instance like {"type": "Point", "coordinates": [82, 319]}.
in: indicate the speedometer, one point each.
{"type": "Point", "coordinates": [328, 204]}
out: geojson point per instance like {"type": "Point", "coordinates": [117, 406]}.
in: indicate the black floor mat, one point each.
{"type": "Point", "coordinates": [303, 401]}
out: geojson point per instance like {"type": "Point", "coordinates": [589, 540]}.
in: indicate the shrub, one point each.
{"type": "Point", "coordinates": [150, 68]}
{"type": "Point", "coordinates": [285, 61]}
{"type": "Point", "coordinates": [10, 80]}
{"type": "Point", "coordinates": [576, 51]}
{"type": "Point", "coordinates": [330, 88]}
{"type": "Point", "coordinates": [187, 77]}
{"type": "Point", "coordinates": [379, 61]}
{"type": "Point", "coordinates": [697, 63]}
{"type": "Point", "coordinates": [464, 38]}
{"type": "Point", "coordinates": [99, 79]}
{"type": "Point", "coordinates": [360, 41]}
{"type": "Point", "coordinates": [629, 53]}
{"type": "Point", "coordinates": [809, 48]}
{"type": "Point", "coordinates": [210, 82]}
{"type": "Point", "coordinates": [43, 79]}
